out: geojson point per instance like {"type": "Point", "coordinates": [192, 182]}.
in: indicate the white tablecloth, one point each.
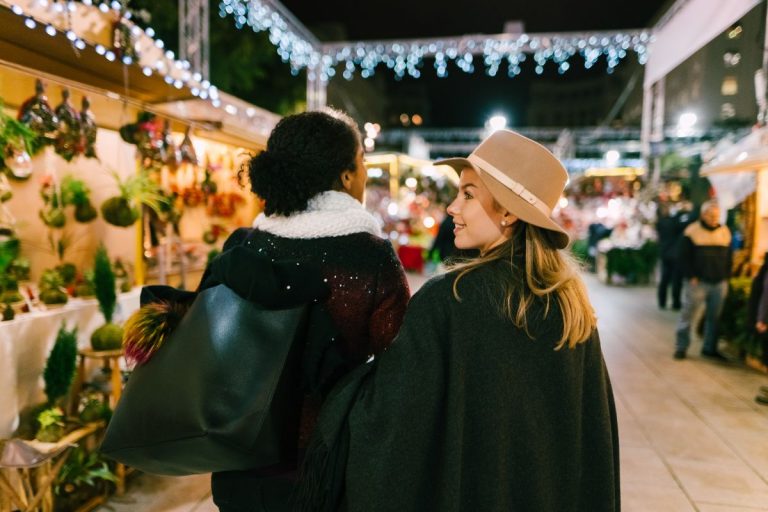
{"type": "Point", "coordinates": [26, 341]}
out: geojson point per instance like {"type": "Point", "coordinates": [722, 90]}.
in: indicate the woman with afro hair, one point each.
{"type": "Point", "coordinates": [312, 179]}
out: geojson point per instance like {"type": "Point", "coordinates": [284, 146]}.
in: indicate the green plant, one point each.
{"type": "Point", "coordinates": [109, 336]}
{"type": "Point", "coordinates": [580, 250]}
{"type": "Point", "coordinates": [82, 469]}
{"type": "Point", "coordinates": [51, 423]}
{"type": "Point", "coordinates": [93, 408]}
{"type": "Point", "coordinates": [104, 283]}
{"type": "Point", "coordinates": [16, 135]}
{"type": "Point", "coordinates": [123, 210]}
{"type": "Point", "coordinates": [51, 284]}
{"type": "Point", "coordinates": [635, 265]}
{"type": "Point", "coordinates": [77, 193]}
{"type": "Point", "coordinates": [10, 246]}
{"type": "Point", "coordinates": [60, 367]}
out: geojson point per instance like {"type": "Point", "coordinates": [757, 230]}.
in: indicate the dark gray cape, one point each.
{"type": "Point", "coordinates": [465, 412]}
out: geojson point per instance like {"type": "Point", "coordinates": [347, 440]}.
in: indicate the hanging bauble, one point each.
{"type": "Point", "coordinates": [19, 163]}
{"type": "Point", "coordinates": [88, 129]}
{"type": "Point", "coordinates": [172, 156]}
{"type": "Point", "coordinates": [146, 133]}
{"type": "Point", "coordinates": [69, 140]}
{"type": "Point", "coordinates": [187, 150]}
{"type": "Point", "coordinates": [37, 113]}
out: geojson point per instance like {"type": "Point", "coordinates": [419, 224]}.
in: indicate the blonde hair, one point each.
{"type": "Point", "coordinates": [549, 274]}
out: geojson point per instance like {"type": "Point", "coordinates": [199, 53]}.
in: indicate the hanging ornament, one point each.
{"type": "Point", "coordinates": [37, 113]}
{"type": "Point", "coordinates": [123, 43]}
{"type": "Point", "coordinates": [69, 140]}
{"type": "Point", "coordinates": [146, 133]}
{"type": "Point", "coordinates": [187, 150]}
{"type": "Point", "coordinates": [88, 130]}
{"type": "Point", "coordinates": [172, 156]}
{"type": "Point", "coordinates": [19, 163]}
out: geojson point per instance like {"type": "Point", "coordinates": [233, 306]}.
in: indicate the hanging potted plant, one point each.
{"type": "Point", "coordinates": [76, 192]}
{"type": "Point", "coordinates": [17, 142]}
{"type": "Point", "coordinates": [124, 209]}
{"type": "Point", "coordinates": [109, 336]}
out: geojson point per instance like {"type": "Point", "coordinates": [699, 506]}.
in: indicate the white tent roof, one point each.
{"type": "Point", "coordinates": [688, 26]}
{"type": "Point", "coordinates": [748, 154]}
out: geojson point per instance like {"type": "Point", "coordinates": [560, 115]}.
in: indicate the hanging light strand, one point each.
{"type": "Point", "coordinates": [296, 46]}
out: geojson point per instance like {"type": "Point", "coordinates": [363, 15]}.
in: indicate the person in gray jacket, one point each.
{"type": "Point", "coordinates": [705, 260]}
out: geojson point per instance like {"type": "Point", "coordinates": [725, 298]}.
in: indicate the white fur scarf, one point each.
{"type": "Point", "coordinates": [328, 214]}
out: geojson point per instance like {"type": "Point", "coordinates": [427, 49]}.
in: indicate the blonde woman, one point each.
{"type": "Point", "coordinates": [494, 395]}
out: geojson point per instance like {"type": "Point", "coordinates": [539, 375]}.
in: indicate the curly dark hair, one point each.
{"type": "Point", "coordinates": [306, 154]}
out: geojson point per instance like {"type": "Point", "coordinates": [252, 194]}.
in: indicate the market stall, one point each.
{"type": "Point", "coordinates": [739, 175]}
{"type": "Point", "coordinates": [119, 168]}
{"type": "Point", "coordinates": [610, 223]}
{"type": "Point", "coordinates": [409, 196]}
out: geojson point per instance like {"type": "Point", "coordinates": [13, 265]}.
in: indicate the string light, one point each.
{"type": "Point", "coordinates": [300, 50]}
{"type": "Point", "coordinates": [466, 52]}
{"type": "Point", "coordinates": [297, 49]}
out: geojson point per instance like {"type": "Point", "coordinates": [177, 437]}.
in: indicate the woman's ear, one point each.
{"type": "Point", "coordinates": [347, 179]}
{"type": "Point", "coordinates": [508, 219]}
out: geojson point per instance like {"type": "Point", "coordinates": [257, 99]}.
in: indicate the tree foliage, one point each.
{"type": "Point", "coordinates": [243, 63]}
{"type": "Point", "coordinates": [60, 366]}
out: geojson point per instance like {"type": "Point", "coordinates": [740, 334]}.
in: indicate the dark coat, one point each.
{"type": "Point", "coordinates": [465, 412]}
{"type": "Point", "coordinates": [368, 294]}
{"type": "Point", "coordinates": [670, 232]}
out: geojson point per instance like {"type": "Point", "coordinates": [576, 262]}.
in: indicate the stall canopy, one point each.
{"type": "Point", "coordinates": [75, 49]}
{"type": "Point", "coordinates": [689, 26]}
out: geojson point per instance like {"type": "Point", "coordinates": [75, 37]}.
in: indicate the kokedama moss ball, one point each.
{"type": "Point", "coordinates": [53, 296]}
{"type": "Point", "coordinates": [118, 212]}
{"type": "Point", "coordinates": [107, 337]}
{"type": "Point", "coordinates": [84, 290]}
{"type": "Point", "coordinates": [85, 212]}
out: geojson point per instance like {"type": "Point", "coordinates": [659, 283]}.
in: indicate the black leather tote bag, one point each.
{"type": "Point", "coordinates": [220, 394]}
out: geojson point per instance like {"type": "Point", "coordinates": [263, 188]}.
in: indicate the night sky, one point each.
{"type": "Point", "coordinates": [467, 99]}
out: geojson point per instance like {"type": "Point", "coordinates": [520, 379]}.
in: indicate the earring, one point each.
{"type": "Point", "coordinates": [503, 223]}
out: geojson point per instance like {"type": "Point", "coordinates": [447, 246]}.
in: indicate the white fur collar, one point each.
{"type": "Point", "coordinates": [328, 214]}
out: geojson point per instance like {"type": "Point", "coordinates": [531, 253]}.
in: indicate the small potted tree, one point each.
{"type": "Point", "coordinates": [109, 336]}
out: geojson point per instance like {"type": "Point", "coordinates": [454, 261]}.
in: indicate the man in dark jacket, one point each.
{"type": "Point", "coordinates": [705, 260]}
{"type": "Point", "coordinates": [669, 229]}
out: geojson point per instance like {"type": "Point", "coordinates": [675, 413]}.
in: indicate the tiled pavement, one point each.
{"type": "Point", "coordinates": [692, 438]}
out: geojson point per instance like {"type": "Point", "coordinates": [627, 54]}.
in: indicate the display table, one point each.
{"type": "Point", "coordinates": [26, 342]}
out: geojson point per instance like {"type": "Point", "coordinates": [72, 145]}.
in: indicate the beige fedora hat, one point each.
{"type": "Point", "coordinates": [522, 175]}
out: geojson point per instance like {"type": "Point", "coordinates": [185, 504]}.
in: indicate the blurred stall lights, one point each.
{"type": "Point", "coordinates": [563, 202]}
{"type": "Point", "coordinates": [429, 222]}
{"type": "Point", "coordinates": [375, 172]}
{"type": "Point", "coordinates": [371, 132]}
{"type": "Point", "coordinates": [411, 182]}
{"type": "Point", "coordinates": [417, 120]}
{"type": "Point", "coordinates": [166, 64]}
{"type": "Point", "coordinates": [612, 157]}
{"type": "Point", "coordinates": [685, 124]}
{"type": "Point", "coordinates": [392, 209]}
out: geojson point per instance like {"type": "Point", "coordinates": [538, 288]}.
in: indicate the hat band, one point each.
{"type": "Point", "coordinates": [511, 184]}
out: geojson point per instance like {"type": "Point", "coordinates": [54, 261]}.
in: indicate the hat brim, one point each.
{"type": "Point", "coordinates": [512, 202]}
